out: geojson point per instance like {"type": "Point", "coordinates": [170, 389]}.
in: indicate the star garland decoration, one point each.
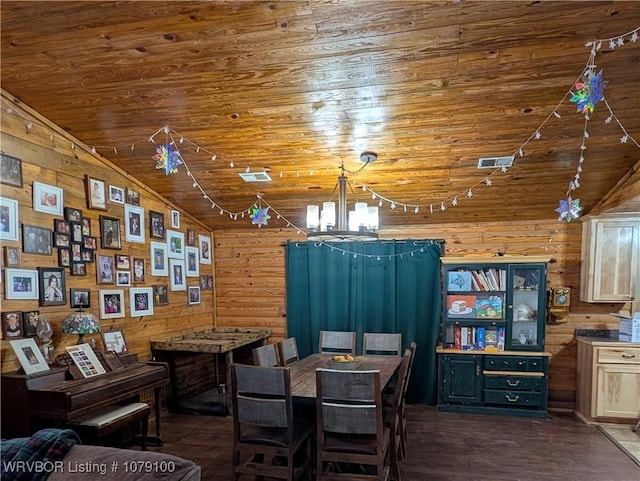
{"type": "Point", "coordinates": [259, 216]}
{"type": "Point", "coordinates": [168, 159]}
{"type": "Point", "coordinates": [569, 209]}
{"type": "Point", "coordinates": [589, 91]}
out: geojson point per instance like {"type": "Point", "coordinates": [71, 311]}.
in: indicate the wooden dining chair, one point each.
{"type": "Point", "coordinates": [403, 417]}
{"type": "Point", "coordinates": [381, 343]}
{"type": "Point", "coordinates": [337, 342]}
{"type": "Point", "coordinates": [392, 415]}
{"type": "Point", "coordinates": [267, 440]}
{"type": "Point", "coordinates": [266, 356]}
{"type": "Point", "coordinates": [288, 351]}
{"type": "Point", "coordinates": [351, 439]}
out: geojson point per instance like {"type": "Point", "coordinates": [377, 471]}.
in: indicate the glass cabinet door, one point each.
{"type": "Point", "coordinates": [526, 307]}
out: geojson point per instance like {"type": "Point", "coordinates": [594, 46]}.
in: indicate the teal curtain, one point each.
{"type": "Point", "coordinates": [379, 286]}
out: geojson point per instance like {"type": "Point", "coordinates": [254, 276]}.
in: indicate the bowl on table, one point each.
{"type": "Point", "coordinates": [345, 363]}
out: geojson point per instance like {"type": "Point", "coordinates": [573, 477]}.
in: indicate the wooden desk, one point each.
{"type": "Point", "coordinates": [303, 372]}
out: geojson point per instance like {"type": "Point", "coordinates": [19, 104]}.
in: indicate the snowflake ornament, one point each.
{"type": "Point", "coordinates": [260, 216]}
{"type": "Point", "coordinates": [569, 209]}
{"type": "Point", "coordinates": [589, 91]}
{"type": "Point", "coordinates": [168, 159]}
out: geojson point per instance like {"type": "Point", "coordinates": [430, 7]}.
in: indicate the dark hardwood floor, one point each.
{"type": "Point", "coordinates": [444, 447]}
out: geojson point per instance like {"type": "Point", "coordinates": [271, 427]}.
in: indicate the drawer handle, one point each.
{"type": "Point", "coordinates": [512, 399]}
{"type": "Point", "coordinates": [513, 383]}
{"type": "Point", "coordinates": [628, 356]}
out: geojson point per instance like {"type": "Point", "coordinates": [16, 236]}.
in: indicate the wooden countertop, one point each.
{"type": "Point", "coordinates": [215, 341]}
{"type": "Point", "coordinates": [443, 350]}
{"type": "Point", "coordinates": [606, 341]}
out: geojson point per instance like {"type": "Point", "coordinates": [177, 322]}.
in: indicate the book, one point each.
{"type": "Point", "coordinates": [489, 307]}
{"type": "Point", "coordinates": [459, 281]}
{"type": "Point", "coordinates": [480, 337]}
{"type": "Point", "coordinates": [501, 339]}
{"type": "Point", "coordinates": [461, 306]}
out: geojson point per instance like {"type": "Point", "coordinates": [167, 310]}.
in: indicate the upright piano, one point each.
{"type": "Point", "coordinates": [52, 399]}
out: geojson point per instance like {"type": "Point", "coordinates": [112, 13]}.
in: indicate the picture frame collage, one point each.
{"type": "Point", "coordinates": [72, 237]}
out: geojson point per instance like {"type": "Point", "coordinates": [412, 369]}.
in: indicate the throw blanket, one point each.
{"type": "Point", "coordinates": [34, 458]}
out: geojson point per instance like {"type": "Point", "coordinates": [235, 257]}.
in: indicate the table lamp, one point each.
{"type": "Point", "coordinates": [81, 323]}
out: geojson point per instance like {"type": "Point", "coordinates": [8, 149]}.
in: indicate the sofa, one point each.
{"type": "Point", "coordinates": [58, 455]}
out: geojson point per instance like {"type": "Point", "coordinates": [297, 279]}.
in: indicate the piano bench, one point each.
{"type": "Point", "coordinates": [100, 423]}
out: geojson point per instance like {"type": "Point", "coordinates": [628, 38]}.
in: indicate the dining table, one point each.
{"type": "Point", "coordinates": [303, 372]}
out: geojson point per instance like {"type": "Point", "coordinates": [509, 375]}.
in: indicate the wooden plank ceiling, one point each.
{"type": "Point", "coordinates": [296, 88]}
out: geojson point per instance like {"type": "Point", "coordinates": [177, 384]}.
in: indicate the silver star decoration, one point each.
{"type": "Point", "coordinates": [488, 181]}
{"type": "Point", "coordinates": [624, 138]}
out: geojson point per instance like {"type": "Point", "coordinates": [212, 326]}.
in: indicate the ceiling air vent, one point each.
{"type": "Point", "coordinates": [494, 162]}
{"type": "Point", "coordinates": [255, 176]}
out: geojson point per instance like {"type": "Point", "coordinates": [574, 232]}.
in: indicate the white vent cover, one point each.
{"type": "Point", "coordinates": [494, 162]}
{"type": "Point", "coordinates": [255, 176]}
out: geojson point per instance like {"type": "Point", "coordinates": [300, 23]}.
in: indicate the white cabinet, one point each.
{"type": "Point", "coordinates": [610, 258]}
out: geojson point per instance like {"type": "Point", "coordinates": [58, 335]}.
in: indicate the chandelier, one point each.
{"type": "Point", "coordinates": [359, 224]}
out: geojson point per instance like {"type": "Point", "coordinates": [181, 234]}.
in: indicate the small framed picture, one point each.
{"type": "Point", "coordinates": [116, 194]}
{"type": "Point", "coordinates": [72, 215]}
{"type": "Point", "coordinates": [111, 303]}
{"type": "Point", "coordinates": [114, 341]}
{"type": "Point", "coordinates": [80, 298]}
{"type": "Point", "coordinates": [159, 266]}
{"type": "Point", "coordinates": [134, 223]}
{"type": "Point", "coordinates": [76, 252]}
{"type": "Point", "coordinates": [36, 240]}
{"type": "Point", "coordinates": [9, 219]}
{"type": "Point", "coordinates": [176, 266]}
{"type": "Point", "coordinates": [88, 255]}
{"type": "Point", "coordinates": [156, 225]}
{"type": "Point", "coordinates": [96, 191]}
{"type": "Point", "coordinates": [123, 262]}
{"type": "Point", "coordinates": [194, 295]}
{"type": "Point", "coordinates": [64, 257]}
{"type": "Point", "coordinates": [191, 237]}
{"type": "Point", "coordinates": [175, 219]}
{"type": "Point", "coordinates": [141, 301]}
{"type": "Point", "coordinates": [11, 256]}
{"type": "Point", "coordinates": [78, 268]}
{"type": "Point", "coordinates": [133, 197]}
{"type": "Point", "coordinates": [104, 270]}
{"type": "Point", "coordinates": [47, 198]}
{"type": "Point", "coordinates": [86, 226]}
{"type": "Point", "coordinates": [10, 170]}
{"type": "Point", "coordinates": [175, 243]}
{"type": "Point", "coordinates": [62, 226]}
{"type": "Point", "coordinates": [90, 243]}
{"type": "Point", "coordinates": [206, 282]}
{"type": "Point", "coordinates": [110, 233]}
{"type": "Point", "coordinates": [76, 231]}
{"type": "Point", "coordinates": [21, 283]}
{"type": "Point", "coordinates": [51, 282]}
{"type": "Point", "coordinates": [205, 249]}
{"type": "Point", "coordinates": [12, 325]}
{"type": "Point", "coordinates": [138, 269]}
{"type": "Point", "coordinates": [30, 323]}
{"type": "Point", "coordinates": [123, 278]}
{"type": "Point", "coordinates": [61, 240]}
{"type": "Point", "coordinates": [29, 355]}
{"type": "Point", "coordinates": [193, 262]}
{"type": "Point", "coordinates": [160, 295]}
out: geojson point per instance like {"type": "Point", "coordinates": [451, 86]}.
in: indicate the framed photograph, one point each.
{"type": "Point", "coordinates": [12, 325]}
{"type": "Point", "coordinates": [178, 283]}
{"type": "Point", "coordinates": [175, 219]}
{"type": "Point", "coordinates": [86, 360]}
{"type": "Point", "coordinates": [89, 242]}
{"type": "Point", "coordinates": [141, 301]}
{"type": "Point", "coordinates": [96, 191]}
{"type": "Point", "coordinates": [62, 226]}
{"type": "Point", "coordinates": [11, 256]}
{"type": "Point", "coordinates": [206, 282]}
{"type": "Point", "coordinates": [123, 262]}
{"type": "Point", "coordinates": [123, 278]}
{"type": "Point", "coordinates": [116, 194]}
{"type": "Point", "coordinates": [79, 268]}
{"type": "Point", "coordinates": [21, 283]}
{"type": "Point", "coordinates": [76, 252]}
{"type": "Point", "coordinates": [9, 219]}
{"type": "Point", "coordinates": [30, 323]}
{"type": "Point", "coordinates": [110, 233]}
{"type": "Point", "coordinates": [51, 282]}
{"type": "Point", "coordinates": [133, 197]}
{"type": "Point", "coordinates": [88, 255]}
{"type": "Point", "coordinates": [160, 295]}
{"type": "Point", "coordinates": [193, 262]}
{"type": "Point", "coordinates": [10, 170]}
{"type": "Point", "coordinates": [205, 249]}
{"type": "Point", "coordinates": [36, 240]}
{"type": "Point", "coordinates": [114, 341]}
{"type": "Point", "coordinates": [134, 223]}
{"type": "Point", "coordinates": [191, 237]}
{"type": "Point", "coordinates": [138, 269]}
{"type": "Point", "coordinates": [64, 257]}
{"type": "Point", "coordinates": [156, 225]}
{"type": "Point", "coordinates": [72, 215]}
{"type": "Point", "coordinates": [175, 244]}
{"type": "Point", "coordinates": [76, 231]}
{"type": "Point", "coordinates": [29, 355]}
{"type": "Point", "coordinates": [159, 265]}
{"type": "Point", "coordinates": [61, 240]}
{"type": "Point", "coordinates": [111, 303]}
{"type": "Point", "coordinates": [47, 198]}
{"type": "Point", "coordinates": [79, 298]}
{"type": "Point", "coordinates": [105, 270]}
{"type": "Point", "coordinates": [194, 295]}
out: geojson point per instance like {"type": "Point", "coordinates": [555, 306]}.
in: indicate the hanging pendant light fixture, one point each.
{"type": "Point", "coordinates": [359, 224]}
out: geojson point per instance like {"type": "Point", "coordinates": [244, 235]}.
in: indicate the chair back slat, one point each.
{"type": "Point", "coordinates": [262, 412]}
{"type": "Point", "coordinates": [261, 382]}
{"type": "Point", "coordinates": [382, 343]}
{"type": "Point", "coordinates": [266, 355]}
{"type": "Point", "coordinates": [337, 342]}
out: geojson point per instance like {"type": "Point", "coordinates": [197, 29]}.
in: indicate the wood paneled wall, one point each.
{"type": "Point", "coordinates": [49, 156]}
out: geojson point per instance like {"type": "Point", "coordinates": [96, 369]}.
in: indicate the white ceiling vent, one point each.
{"type": "Point", "coordinates": [255, 176]}
{"type": "Point", "coordinates": [495, 162]}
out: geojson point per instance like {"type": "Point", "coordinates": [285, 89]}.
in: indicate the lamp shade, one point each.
{"type": "Point", "coordinates": [81, 323]}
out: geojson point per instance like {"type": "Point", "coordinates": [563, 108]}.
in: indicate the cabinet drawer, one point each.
{"type": "Point", "coordinates": [514, 398]}
{"type": "Point", "coordinates": [513, 363]}
{"type": "Point", "coordinates": [523, 383]}
{"type": "Point", "coordinates": [619, 355]}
